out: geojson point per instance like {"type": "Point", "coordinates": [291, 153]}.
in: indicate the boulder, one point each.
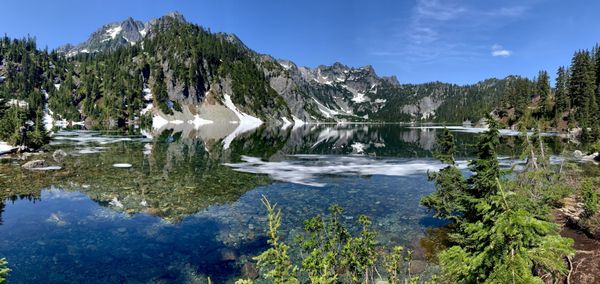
{"type": "Point", "coordinates": [594, 157]}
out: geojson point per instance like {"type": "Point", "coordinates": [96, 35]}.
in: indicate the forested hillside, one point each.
{"type": "Point", "coordinates": [129, 72]}
{"type": "Point", "coordinates": [571, 103]}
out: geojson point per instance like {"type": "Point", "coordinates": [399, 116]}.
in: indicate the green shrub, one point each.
{"type": "Point", "coordinates": [3, 270]}
{"type": "Point", "coordinates": [589, 198]}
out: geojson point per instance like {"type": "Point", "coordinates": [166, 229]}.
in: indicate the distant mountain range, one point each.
{"type": "Point", "coordinates": [324, 93]}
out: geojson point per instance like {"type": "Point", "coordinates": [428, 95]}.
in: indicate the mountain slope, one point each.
{"type": "Point", "coordinates": [169, 71]}
{"type": "Point", "coordinates": [324, 93]}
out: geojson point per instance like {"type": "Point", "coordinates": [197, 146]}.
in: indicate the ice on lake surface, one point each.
{"type": "Point", "coordinates": [186, 207]}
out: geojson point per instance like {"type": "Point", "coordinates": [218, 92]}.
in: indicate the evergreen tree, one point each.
{"type": "Point", "coordinates": [450, 198]}
{"type": "Point", "coordinates": [582, 87]}
{"type": "Point", "coordinates": [159, 90]}
{"type": "Point", "coordinates": [562, 97]}
{"type": "Point", "coordinates": [496, 240]}
{"type": "Point", "coordinates": [446, 147]}
{"type": "Point", "coordinates": [543, 90]}
{"type": "Point", "coordinates": [597, 71]}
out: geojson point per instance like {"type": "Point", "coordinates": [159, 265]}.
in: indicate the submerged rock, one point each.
{"type": "Point", "coordinates": [59, 155]}
{"type": "Point", "coordinates": [34, 164]}
{"type": "Point", "coordinates": [39, 165]}
{"type": "Point", "coordinates": [249, 271]}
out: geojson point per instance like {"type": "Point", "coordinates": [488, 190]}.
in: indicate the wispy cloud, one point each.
{"type": "Point", "coordinates": [446, 30]}
{"type": "Point", "coordinates": [438, 10]}
{"type": "Point", "coordinates": [427, 17]}
{"type": "Point", "coordinates": [500, 51]}
{"type": "Point", "coordinates": [514, 11]}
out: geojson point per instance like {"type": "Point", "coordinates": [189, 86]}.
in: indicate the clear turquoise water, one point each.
{"type": "Point", "coordinates": [189, 208]}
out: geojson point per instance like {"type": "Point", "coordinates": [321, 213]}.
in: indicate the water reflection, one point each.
{"type": "Point", "coordinates": [189, 206]}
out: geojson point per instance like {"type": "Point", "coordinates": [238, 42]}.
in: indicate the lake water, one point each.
{"type": "Point", "coordinates": [190, 204]}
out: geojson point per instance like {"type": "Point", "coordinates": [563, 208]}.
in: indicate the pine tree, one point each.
{"type": "Point", "coordinates": [562, 96]}
{"type": "Point", "coordinates": [543, 90]}
{"type": "Point", "coordinates": [597, 71]}
{"type": "Point", "coordinates": [159, 91]}
{"type": "Point", "coordinates": [582, 87]}
{"type": "Point", "coordinates": [446, 148]}
{"type": "Point", "coordinates": [449, 201]}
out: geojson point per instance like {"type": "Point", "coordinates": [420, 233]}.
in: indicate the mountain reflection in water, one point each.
{"type": "Point", "coordinates": [189, 207]}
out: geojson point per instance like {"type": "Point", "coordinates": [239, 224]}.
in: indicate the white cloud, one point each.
{"type": "Point", "coordinates": [499, 50]}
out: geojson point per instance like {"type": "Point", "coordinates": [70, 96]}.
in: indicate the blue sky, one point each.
{"type": "Point", "coordinates": [418, 41]}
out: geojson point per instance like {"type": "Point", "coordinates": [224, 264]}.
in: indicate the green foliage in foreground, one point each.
{"type": "Point", "coordinates": [498, 239]}
{"type": "Point", "coordinates": [282, 270]}
{"type": "Point", "coordinates": [330, 254]}
{"type": "Point", "coordinates": [590, 198]}
{"type": "Point", "coordinates": [3, 270]}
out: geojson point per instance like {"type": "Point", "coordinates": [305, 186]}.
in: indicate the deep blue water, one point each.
{"type": "Point", "coordinates": [189, 209]}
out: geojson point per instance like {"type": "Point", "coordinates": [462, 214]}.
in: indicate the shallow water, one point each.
{"type": "Point", "coordinates": [188, 207]}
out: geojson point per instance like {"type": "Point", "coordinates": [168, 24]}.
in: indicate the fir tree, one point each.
{"type": "Point", "coordinates": [446, 148]}
{"type": "Point", "coordinates": [450, 198]}
{"type": "Point", "coordinates": [562, 97]}
{"type": "Point", "coordinates": [496, 240]}
{"type": "Point", "coordinates": [582, 87]}
{"type": "Point", "coordinates": [543, 90]}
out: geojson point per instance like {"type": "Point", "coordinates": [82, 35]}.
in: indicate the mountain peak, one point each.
{"type": "Point", "coordinates": [129, 31]}
{"type": "Point", "coordinates": [177, 16]}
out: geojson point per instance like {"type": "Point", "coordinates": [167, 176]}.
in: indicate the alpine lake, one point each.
{"type": "Point", "coordinates": [178, 205]}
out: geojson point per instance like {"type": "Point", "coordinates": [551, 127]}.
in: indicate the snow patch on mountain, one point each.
{"type": "Point", "coordinates": [244, 118]}
{"type": "Point", "coordinates": [113, 32]}
{"type": "Point", "coordinates": [246, 122]}
{"type": "Point", "coordinates": [327, 112]}
{"type": "Point", "coordinates": [359, 98]}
